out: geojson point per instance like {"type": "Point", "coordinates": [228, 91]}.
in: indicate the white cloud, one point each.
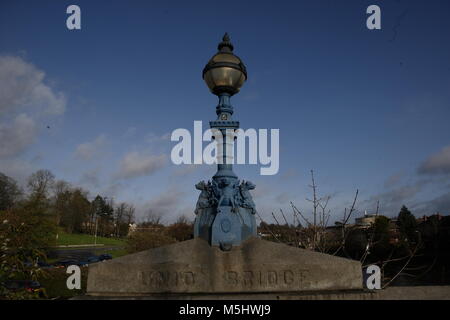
{"type": "Point", "coordinates": [25, 101]}
{"type": "Point", "coordinates": [284, 198]}
{"type": "Point", "coordinates": [113, 190]}
{"type": "Point", "coordinates": [154, 138]}
{"type": "Point", "coordinates": [89, 150]}
{"type": "Point", "coordinates": [393, 180]}
{"type": "Point", "coordinates": [18, 169]}
{"type": "Point", "coordinates": [91, 178]}
{"type": "Point", "coordinates": [131, 132]}
{"type": "Point", "coordinates": [168, 205]}
{"type": "Point", "coordinates": [22, 86]}
{"type": "Point", "coordinates": [437, 163]}
{"type": "Point", "coordinates": [391, 201]}
{"type": "Point", "coordinates": [185, 170]}
{"type": "Point", "coordinates": [134, 165]}
{"type": "Point", "coordinates": [439, 204]}
{"type": "Point", "coordinates": [16, 137]}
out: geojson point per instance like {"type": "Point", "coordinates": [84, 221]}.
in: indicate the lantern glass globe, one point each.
{"type": "Point", "coordinates": [225, 72]}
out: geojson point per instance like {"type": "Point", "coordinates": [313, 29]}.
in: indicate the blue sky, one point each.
{"type": "Point", "coordinates": [366, 109]}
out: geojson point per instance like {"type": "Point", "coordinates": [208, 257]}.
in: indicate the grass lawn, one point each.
{"type": "Point", "coordinates": [54, 279]}
{"type": "Point", "coordinates": [117, 253]}
{"type": "Point", "coordinates": [76, 239]}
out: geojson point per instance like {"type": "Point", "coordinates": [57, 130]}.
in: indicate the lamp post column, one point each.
{"type": "Point", "coordinates": [226, 126]}
{"type": "Point", "coordinates": [225, 209]}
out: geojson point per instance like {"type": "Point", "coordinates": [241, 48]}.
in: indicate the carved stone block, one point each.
{"type": "Point", "coordinates": [195, 267]}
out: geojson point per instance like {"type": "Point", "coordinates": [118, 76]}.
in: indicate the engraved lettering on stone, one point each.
{"type": "Point", "coordinates": [272, 278]}
{"type": "Point", "coordinates": [248, 278]}
{"type": "Point", "coordinates": [266, 278]}
{"type": "Point", "coordinates": [189, 278]}
{"type": "Point", "coordinates": [160, 279]}
{"type": "Point", "coordinates": [231, 277]}
{"type": "Point", "coordinates": [302, 276]}
{"type": "Point", "coordinates": [289, 277]}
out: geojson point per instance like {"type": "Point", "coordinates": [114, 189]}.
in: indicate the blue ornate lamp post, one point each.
{"type": "Point", "coordinates": [225, 211]}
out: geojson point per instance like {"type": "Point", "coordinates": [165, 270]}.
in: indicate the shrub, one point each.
{"type": "Point", "coordinates": [181, 231]}
{"type": "Point", "coordinates": [147, 239]}
{"type": "Point", "coordinates": [25, 234]}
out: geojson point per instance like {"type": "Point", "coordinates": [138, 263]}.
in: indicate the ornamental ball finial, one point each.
{"type": "Point", "coordinates": [225, 45]}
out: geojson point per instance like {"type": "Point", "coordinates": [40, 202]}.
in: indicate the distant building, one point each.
{"type": "Point", "coordinates": [132, 228]}
{"type": "Point", "coordinates": [365, 221]}
{"type": "Point", "coordinates": [436, 216]}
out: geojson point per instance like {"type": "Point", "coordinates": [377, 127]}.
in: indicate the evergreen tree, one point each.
{"type": "Point", "coordinates": [9, 192]}
{"type": "Point", "coordinates": [407, 225]}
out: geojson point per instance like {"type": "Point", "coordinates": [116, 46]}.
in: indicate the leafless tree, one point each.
{"type": "Point", "coordinates": [152, 217]}
{"type": "Point", "coordinates": [40, 183]}
{"type": "Point", "coordinates": [123, 217]}
{"type": "Point", "coordinates": [344, 223]}
{"type": "Point", "coordinates": [311, 232]}
{"type": "Point", "coordinates": [61, 189]}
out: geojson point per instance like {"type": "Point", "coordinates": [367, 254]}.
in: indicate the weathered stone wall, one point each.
{"type": "Point", "coordinates": [195, 267]}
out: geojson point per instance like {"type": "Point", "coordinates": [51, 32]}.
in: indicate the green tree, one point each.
{"type": "Point", "coordinates": [25, 236]}
{"type": "Point", "coordinates": [407, 225]}
{"type": "Point", "coordinates": [381, 245]}
{"type": "Point", "coordinates": [9, 192]}
{"type": "Point", "coordinates": [76, 208]}
{"type": "Point", "coordinates": [102, 216]}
